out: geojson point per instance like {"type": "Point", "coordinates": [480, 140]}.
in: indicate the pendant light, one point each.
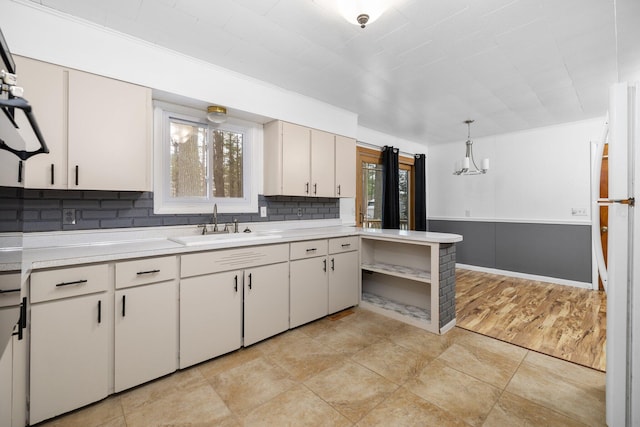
{"type": "Point", "coordinates": [464, 167]}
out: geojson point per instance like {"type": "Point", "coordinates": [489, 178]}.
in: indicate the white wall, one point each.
{"type": "Point", "coordinates": [43, 34]}
{"type": "Point", "coordinates": [537, 175]}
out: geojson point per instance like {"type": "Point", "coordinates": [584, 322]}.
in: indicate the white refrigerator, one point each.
{"type": "Point", "coordinates": [623, 283]}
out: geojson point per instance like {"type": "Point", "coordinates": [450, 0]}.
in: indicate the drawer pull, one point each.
{"type": "Point", "coordinates": [346, 245]}
{"type": "Point", "coordinates": [139, 273]}
{"type": "Point", "coordinates": [77, 282]}
{"type": "Point", "coordinates": [312, 250]}
{"type": "Point", "coordinates": [22, 321]}
{"type": "Point", "coordinates": [8, 291]}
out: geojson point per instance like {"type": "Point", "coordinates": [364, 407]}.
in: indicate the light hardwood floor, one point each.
{"type": "Point", "coordinates": [561, 321]}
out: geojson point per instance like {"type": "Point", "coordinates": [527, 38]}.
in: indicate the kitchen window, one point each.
{"type": "Point", "coordinates": [199, 164]}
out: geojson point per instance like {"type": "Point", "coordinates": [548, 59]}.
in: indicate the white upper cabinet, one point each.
{"type": "Point", "coordinates": [45, 87]}
{"type": "Point", "coordinates": [299, 161]}
{"type": "Point", "coordinates": [345, 166]}
{"type": "Point", "coordinates": [322, 164]}
{"type": "Point", "coordinates": [98, 130]}
{"type": "Point", "coordinates": [109, 134]}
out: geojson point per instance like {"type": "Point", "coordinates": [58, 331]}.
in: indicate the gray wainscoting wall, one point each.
{"type": "Point", "coordinates": [561, 251]}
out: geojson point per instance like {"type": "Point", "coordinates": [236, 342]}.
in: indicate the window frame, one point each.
{"type": "Point", "coordinates": [163, 203]}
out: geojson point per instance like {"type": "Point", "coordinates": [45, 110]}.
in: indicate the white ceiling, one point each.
{"type": "Point", "coordinates": [417, 72]}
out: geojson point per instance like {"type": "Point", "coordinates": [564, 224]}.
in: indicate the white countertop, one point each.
{"type": "Point", "coordinates": [58, 249]}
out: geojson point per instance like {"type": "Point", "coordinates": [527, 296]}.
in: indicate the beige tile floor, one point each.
{"type": "Point", "coordinates": [366, 370]}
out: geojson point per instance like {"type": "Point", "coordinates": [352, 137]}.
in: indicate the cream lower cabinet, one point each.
{"type": "Point", "coordinates": [146, 321]}
{"type": "Point", "coordinates": [13, 357]}
{"type": "Point", "coordinates": [324, 278]}
{"type": "Point", "coordinates": [309, 291]}
{"type": "Point", "coordinates": [69, 327]}
{"type": "Point", "coordinates": [343, 269]}
{"type": "Point", "coordinates": [210, 316]}
{"type": "Point", "coordinates": [13, 387]}
{"type": "Point", "coordinates": [232, 297]}
{"type": "Point", "coordinates": [266, 302]}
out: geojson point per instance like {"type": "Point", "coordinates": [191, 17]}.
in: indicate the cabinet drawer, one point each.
{"type": "Point", "coordinates": [68, 282]}
{"type": "Point", "coordinates": [343, 244]}
{"type": "Point", "coordinates": [232, 259]}
{"type": "Point", "coordinates": [308, 249]}
{"type": "Point", "coordinates": [9, 289]}
{"type": "Point", "coordinates": [143, 271]}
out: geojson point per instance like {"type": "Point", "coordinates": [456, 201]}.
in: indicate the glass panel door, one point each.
{"type": "Point", "coordinates": [372, 196]}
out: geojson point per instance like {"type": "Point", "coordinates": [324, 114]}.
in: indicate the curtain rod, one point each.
{"type": "Point", "coordinates": [377, 147]}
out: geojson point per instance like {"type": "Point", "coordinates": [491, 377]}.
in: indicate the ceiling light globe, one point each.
{"type": "Point", "coordinates": [216, 114]}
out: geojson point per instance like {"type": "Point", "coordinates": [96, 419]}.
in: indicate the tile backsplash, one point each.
{"type": "Point", "coordinates": [31, 210]}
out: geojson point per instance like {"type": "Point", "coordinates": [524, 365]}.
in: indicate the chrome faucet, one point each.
{"type": "Point", "coordinates": [215, 217]}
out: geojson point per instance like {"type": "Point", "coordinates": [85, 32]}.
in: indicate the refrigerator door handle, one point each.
{"type": "Point", "coordinates": [631, 201]}
{"type": "Point", "coordinates": [595, 212]}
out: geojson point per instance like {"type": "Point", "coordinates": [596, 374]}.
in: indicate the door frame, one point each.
{"type": "Point", "coordinates": [370, 155]}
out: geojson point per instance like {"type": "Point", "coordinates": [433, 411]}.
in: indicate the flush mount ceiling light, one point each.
{"type": "Point", "coordinates": [216, 114]}
{"type": "Point", "coordinates": [463, 168]}
{"type": "Point", "coordinates": [362, 12]}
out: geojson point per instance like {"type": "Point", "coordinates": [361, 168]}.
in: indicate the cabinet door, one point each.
{"type": "Point", "coordinates": [345, 166]}
{"type": "Point", "coordinates": [266, 302]}
{"type": "Point", "coordinates": [109, 134]}
{"type": "Point", "coordinates": [343, 281]}
{"type": "Point", "coordinates": [69, 355]}
{"type": "Point", "coordinates": [210, 316]}
{"type": "Point", "coordinates": [296, 152]}
{"type": "Point", "coordinates": [322, 164]}
{"type": "Point", "coordinates": [145, 333]}
{"type": "Point", "coordinates": [308, 290]}
{"type": "Point", "coordinates": [11, 172]}
{"type": "Point", "coordinates": [6, 383]}
{"type": "Point", "coordinates": [45, 87]}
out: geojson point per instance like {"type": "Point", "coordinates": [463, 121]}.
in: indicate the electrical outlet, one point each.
{"type": "Point", "coordinates": [467, 213]}
{"type": "Point", "coordinates": [579, 211]}
{"type": "Point", "coordinates": [299, 212]}
{"type": "Point", "coordinates": [263, 211]}
{"type": "Point", "coordinates": [68, 216]}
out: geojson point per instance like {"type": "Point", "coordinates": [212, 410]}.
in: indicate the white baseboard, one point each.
{"type": "Point", "coordinates": [446, 328]}
{"type": "Point", "coordinates": [554, 280]}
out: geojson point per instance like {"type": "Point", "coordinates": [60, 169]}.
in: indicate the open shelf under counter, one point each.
{"type": "Point", "coordinates": [409, 279]}
{"type": "Point", "coordinates": [398, 271]}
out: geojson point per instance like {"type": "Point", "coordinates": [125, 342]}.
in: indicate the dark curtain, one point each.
{"type": "Point", "coordinates": [390, 188]}
{"type": "Point", "coordinates": [420, 205]}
